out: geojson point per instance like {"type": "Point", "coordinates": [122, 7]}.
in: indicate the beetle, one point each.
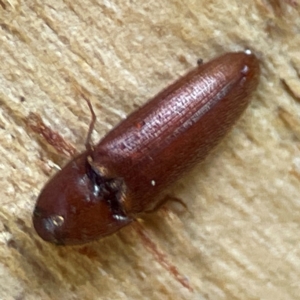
{"type": "Point", "coordinates": [111, 183]}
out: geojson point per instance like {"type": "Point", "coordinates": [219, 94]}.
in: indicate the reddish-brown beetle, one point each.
{"type": "Point", "coordinates": [109, 185]}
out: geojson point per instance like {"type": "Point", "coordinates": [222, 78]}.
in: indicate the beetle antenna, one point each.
{"type": "Point", "coordinates": [88, 143]}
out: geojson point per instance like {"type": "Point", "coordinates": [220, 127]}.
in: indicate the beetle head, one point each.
{"type": "Point", "coordinates": [80, 203]}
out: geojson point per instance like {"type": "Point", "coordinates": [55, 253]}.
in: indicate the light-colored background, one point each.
{"type": "Point", "coordinates": [241, 238]}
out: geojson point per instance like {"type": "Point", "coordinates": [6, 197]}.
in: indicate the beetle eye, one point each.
{"type": "Point", "coordinates": [92, 174]}
{"type": "Point", "coordinates": [109, 189]}
{"type": "Point", "coordinates": [97, 180]}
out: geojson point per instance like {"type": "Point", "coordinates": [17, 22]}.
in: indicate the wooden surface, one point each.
{"type": "Point", "coordinates": [239, 238]}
